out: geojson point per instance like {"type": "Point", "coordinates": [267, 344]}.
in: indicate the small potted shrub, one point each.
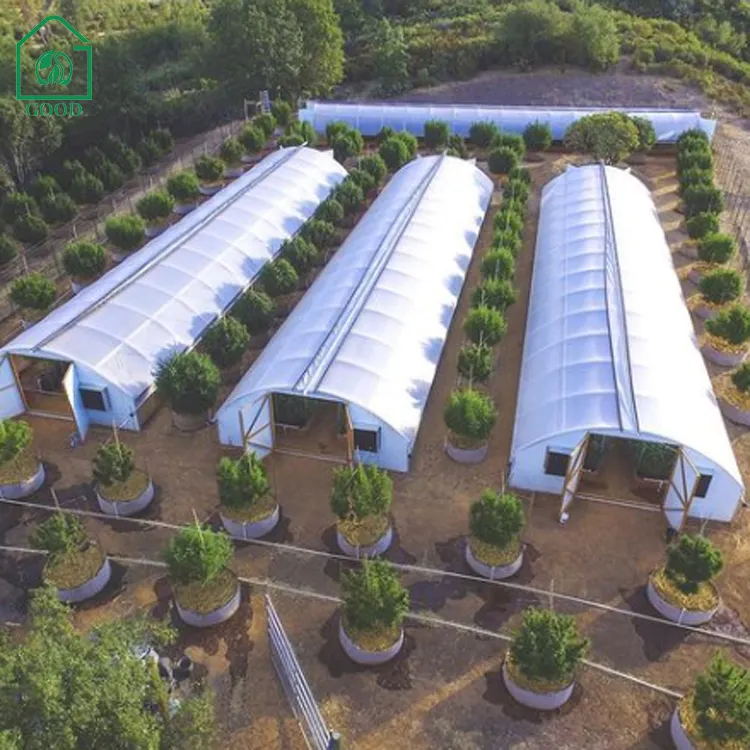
{"type": "Point", "coordinates": [57, 208]}
{"type": "Point", "coordinates": [364, 179]}
{"type": "Point", "coordinates": [726, 337]}
{"type": "Point", "coordinates": [331, 212]}
{"type": "Point", "coordinates": [206, 592]}
{"type": "Point", "coordinates": [76, 566]}
{"type": "Point", "coordinates": [349, 195]}
{"type": "Point", "coordinates": [498, 294]}
{"type": "Point", "coordinates": [374, 606]}
{"type": "Point", "coordinates": [155, 209]}
{"type": "Point", "coordinates": [494, 548]}
{"type": "Point", "coordinates": [231, 152]}
{"type": "Point", "coordinates": [321, 233]}
{"type": "Point", "coordinates": [713, 250]}
{"type": "Point", "coordinates": [508, 239]}
{"type": "Point", "coordinates": [485, 325]}
{"type": "Point", "coordinates": [121, 488]}
{"type": "Point", "coordinates": [475, 362]}
{"type": "Point", "coordinates": [540, 668]}
{"type": "Point", "coordinates": [252, 139]}
{"type": "Point", "coordinates": [280, 281]}
{"type": "Point", "coordinates": [8, 249]}
{"type": "Point", "coordinates": [21, 472]}
{"type": "Point", "coordinates": [185, 188]}
{"type": "Point", "coordinates": [127, 233]}
{"type": "Point", "coordinates": [346, 144]}
{"type": "Point", "coordinates": [715, 714]}
{"type": "Point", "coordinates": [189, 382]}
{"type": "Point", "coordinates": [682, 590]}
{"type": "Point", "coordinates": [248, 507]}
{"type": "Point", "coordinates": [85, 188]}
{"type": "Point", "coordinates": [701, 225]}
{"type": "Point", "coordinates": [394, 153]}
{"type": "Point", "coordinates": [282, 112]}
{"type": "Point", "coordinates": [501, 160]}
{"type": "Point", "coordinates": [512, 141]}
{"type": "Point", "coordinates": [84, 261]}
{"type": "Point", "coordinates": [360, 499]}
{"type": "Point", "coordinates": [410, 141]}
{"type": "Point", "coordinates": [300, 253]}
{"type": "Point", "coordinates": [226, 342]}
{"type": "Point", "coordinates": [733, 392]}
{"type": "Point", "coordinates": [537, 136]}
{"type": "Point", "coordinates": [256, 311]}
{"type": "Point", "coordinates": [266, 122]}
{"type": "Point", "coordinates": [470, 417]}
{"type": "Point", "coordinates": [436, 134]}
{"type": "Point", "coordinates": [34, 294]}
{"type": "Point", "coordinates": [498, 264]}
{"type": "Point", "coordinates": [30, 229]}
{"type": "Point", "coordinates": [483, 134]}
{"type": "Point", "coordinates": [717, 289]}
{"type": "Point", "coordinates": [210, 170]}
{"type": "Point", "coordinates": [702, 198]}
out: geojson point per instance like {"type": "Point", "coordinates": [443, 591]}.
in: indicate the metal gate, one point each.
{"type": "Point", "coordinates": [298, 693]}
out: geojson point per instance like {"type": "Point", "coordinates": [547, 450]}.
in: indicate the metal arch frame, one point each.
{"type": "Point", "coordinates": [575, 469]}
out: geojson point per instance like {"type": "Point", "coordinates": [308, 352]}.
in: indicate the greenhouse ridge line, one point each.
{"type": "Point", "coordinates": [590, 603]}
{"type": "Point", "coordinates": [438, 621]}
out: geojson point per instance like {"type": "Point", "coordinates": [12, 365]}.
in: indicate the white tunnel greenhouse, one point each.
{"type": "Point", "coordinates": [367, 337]}
{"type": "Point", "coordinates": [610, 352]}
{"type": "Point", "coordinates": [370, 118]}
{"type": "Point", "coordinates": [92, 360]}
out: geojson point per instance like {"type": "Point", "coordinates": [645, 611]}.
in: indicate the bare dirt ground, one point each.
{"type": "Point", "coordinates": [443, 691]}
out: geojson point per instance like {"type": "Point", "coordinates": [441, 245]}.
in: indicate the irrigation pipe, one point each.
{"type": "Point", "coordinates": [429, 620]}
{"type": "Point", "coordinates": [548, 593]}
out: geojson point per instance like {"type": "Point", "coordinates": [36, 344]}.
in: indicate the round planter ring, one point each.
{"type": "Point", "coordinates": [25, 487]}
{"type": "Point", "coordinates": [695, 276]}
{"type": "Point", "coordinates": [233, 173]}
{"type": "Point", "coordinates": [689, 250]}
{"type": "Point", "coordinates": [90, 588]}
{"type": "Point", "coordinates": [494, 573]}
{"type": "Point", "coordinates": [127, 507]}
{"type": "Point", "coordinates": [118, 256]}
{"type": "Point", "coordinates": [210, 189]}
{"type": "Point", "coordinates": [368, 658]}
{"type": "Point", "coordinates": [78, 286]}
{"type": "Point", "coordinates": [466, 455]}
{"type": "Point", "coordinates": [185, 208]}
{"type": "Point", "coordinates": [678, 733]}
{"type": "Point", "coordinates": [189, 422]}
{"type": "Point", "coordinates": [154, 230]}
{"type": "Point", "coordinates": [369, 550]}
{"type": "Point", "coordinates": [539, 701]}
{"type": "Point", "coordinates": [250, 529]}
{"type": "Point", "coordinates": [677, 614]}
{"type": "Point", "coordinates": [207, 619]}
{"type": "Point", "coordinates": [704, 312]}
{"type": "Point", "coordinates": [734, 413]}
{"type": "Point", "coordinates": [723, 359]}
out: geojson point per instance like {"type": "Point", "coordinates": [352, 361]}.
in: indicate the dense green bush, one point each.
{"type": "Point", "coordinates": [508, 221]}
{"type": "Point", "coordinates": [516, 190]}
{"type": "Point", "coordinates": [44, 186]}
{"type": "Point", "coordinates": [126, 233]}
{"type": "Point", "coordinates": [537, 136]}
{"type": "Point", "coordinates": [94, 158]}
{"type": "Point", "coordinates": [364, 179]}
{"type": "Point", "coordinates": [721, 286]}
{"type": "Point", "coordinates": [716, 248]}
{"type": "Point", "coordinates": [321, 233]}
{"type": "Point", "coordinates": [188, 382]}
{"type": "Point", "coordinates": [512, 141]}
{"type": "Point", "coordinates": [15, 437]}
{"type": "Point", "coordinates": [695, 176]}
{"type": "Point", "coordinates": [360, 491]}
{"type": "Point", "coordinates": [301, 253]}
{"type": "Point", "coordinates": [485, 325]}
{"type": "Point", "coordinates": [691, 561]}
{"type": "Point", "coordinates": [741, 377]}
{"type": "Point", "coordinates": [702, 198]}
{"type": "Point", "coordinates": [410, 141]}
{"type": "Point", "coordinates": [291, 140]}
{"type": "Point", "coordinates": [303, 130]}
{"type": "Point", "coordinates": [692, 136]}
{"type": "Point", "coordinates": [149, 152]}
{"type": "Point", "coordinates": [483, 134]}
{"type": "Point", "coordinates": [113, 462]}
{"type": "Point", "coordinates": [110, 174]}
{"type": "Point", "coordinates": [121, 154]}
{"type": "Point", "coordinates": [252, 138]}
{"type": "Point", "coordinates": [209, 168]}
{"type": "Point", "coordinates": [243, 482]}
{"type": "Point", "coordinates": [502, 160]}
{"type": "Point", "coordinates": [375, 165]}
{"type": "Point", "coordinates": [496, 519]}
{"type": "Point", "coordinates": [475, 362]}
{"type": "Point", "coordinates": [184, 186]}
{"type": "Point", "coordinates": [347, 144]}
{"type": "Point", "coordinates": [336, 128]}
{"type": "Point", "coordinates": [508, 239]}
{"type": "Point", "coordinates": [30, 229]}
{"type": "Point", "coordinates": [646, 133]}
{"type": "Point", "coordinates": [33, 292]}
{"type": "Point", "coordinates": [60, 534]}
{"type": "Point", "coordinates": [732, 325]}
{"type": "Point", "coordinates": [57, 208]}
{"type": "Point", "coordinates": [226, 341]}
{"type": "Point", "coordinates": [702, 224]}
{"type": "Point", "coordinates": [374, 600]}
{"type": "Point", "coordinates": [694, 159]}
{"type": "Point", "coordinates": [86, 187]}
{"type": "Point", "coordinates": [231, 151]}
{"type": "Point", "coordinates": [384, 134]}
{"type": "Point", "coordinates": [155, 206]}
{"type": "Point", "coordinates": [266, 123]}
{"type": "Point", "coordinates": [330, 211]}
{"type": "Point", "coordinates": [282, 112]}
{"type": "Point", "coordinates": [18, 204]}
{"type": "Point", "coordinates": [255, 310]}
{"type": "Point", "coordinates": [84, 260]}
{"type": "Point", "coordinates": [457, 147]}
{"type": "Point", "coordinates": [498, 264]}
{"type": "Point", "coordinates": [470, 414]}
{"type": "Point", "coordinates": [279, 277]}
{"type": "Point", "coordinates": [436, 134]}
{"type": "Point", "coordinates": [607, 136]}
{"type": "Point", "coordinates": [394, 153]}
{"type": "Point", "coordinates": [349, 195]}
{"type": "Point", "coordinates": [8, 249]}
{"type": "Point", "coordinates": [495, 293]}
{"type": "Point", "coordinates": [196, 554]}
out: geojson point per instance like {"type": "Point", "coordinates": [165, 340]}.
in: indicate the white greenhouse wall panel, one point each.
{"type": "Point", "coordinates": [370, 118]}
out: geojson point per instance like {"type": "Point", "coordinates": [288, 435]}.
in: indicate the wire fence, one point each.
{"type": "Point", "coordinates": [733, 178]}
{"type": "Point", "coordinates": [46, 257]}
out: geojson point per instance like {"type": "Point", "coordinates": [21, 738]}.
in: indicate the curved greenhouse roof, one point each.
{"type": "Point", "coordinates": [162, 298]}
{"type": "Point", "coordinates": [371, 328]}
{"type": "Point", "coordinates": [370, 118]}
{"type": "Point", "coordinates": [609, 341]}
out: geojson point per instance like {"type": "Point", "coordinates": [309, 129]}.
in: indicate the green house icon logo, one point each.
{"type": "Point", "coordinates": [54, 69]}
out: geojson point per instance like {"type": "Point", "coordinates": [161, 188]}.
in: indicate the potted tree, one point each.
{"type": "Point", "coordinates": [84, 261]}
{"type": "Point", "coordinates": [121, 489]}
{"type": "Point", "coordinates": [436, 134]}
{"type": "Point", "coordinates": [185, 189]}
{"type": "Point", "coordinates": [360, 499]}
{"type": "Point", "coordinates": [715, 714]}
{"type": "Point", "coordinates": [498, 264]}
{"type": "Point", "coordinates": [126, 233]}
{"type": "Point", "coordinates": [226, 342]}
{"type": "Point", "coordinates": [155, 209]}
{"type": "Point", "coordinates": [726, 336]}
{"type": "Point", "coordinates": [280, 281]}
{"type": "Point", "coordinates": [210, 170]}
{"type": "Point", "coordinates": [494, 293]}
{"type": "Point", "coordinates": [372, 613]}
{"type": "Point", "coordinates": [248, 507]}
{"type": "Point", "coordinates": [206, 592]}
{"type": "Point", "coordinates": [231, 152]}
{"type": "Point", "coordinates": [470, 417]}
{"type": "Point", "coordinates": [256, 311]}
{"type": "Point", "coordinates": [76, 566]}
{"type": "Point", "coordinates": [501, 160]}
{"type": "Point", "coordinates": [252, 139]}
{"type": "Point", "coordinates": [682, 590]}
{"type": "Point", "coordinates": [475, 362]}
{"type": "Point", "coordinates": [540, 668]}
{"type": "Point", "coordinates": [34, 294]}
{"type": "Point", "coordinates": [485, 325]}
{"type": "Point", "coordinates": [717, 289]}
{"type": "Point", "coordinates": [494, 548]}
{"type": "Point", "coordinates": [189, 382]}
{"type": "Point", "coordinates": [21, 472]}
{"type": "Point", "coordinates": [537, 136]}
{"type": "Point", "coordinates": [733, 391]}
{"type": "Point", "coordinates": [713, 251]}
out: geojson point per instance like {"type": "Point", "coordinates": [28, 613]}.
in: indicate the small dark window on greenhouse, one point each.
{"type": "Point", "coordinates": [704, 482]}
{"type": "Point", "coordinates": [94, 400]}
{"type": "Point", "coordinates": [556, 463]}
{"type": "Point", "coordinates": [367, 440]}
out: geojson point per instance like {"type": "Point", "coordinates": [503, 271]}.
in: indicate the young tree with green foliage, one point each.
{"type": "Point", "coordinates": [226, 342]}
{"type": "Point", "coordinates": [485, 325]}
{"type": "Point", "coordinates": [57, 208]}
{"type": "Point", "coordinates": [330, 211]}
{"type": "Point", "coordinates": [30, 229]}
{"type": "Point", "coordinates": [243, 484]}
{"type": "Point", "coordinates": [717, 248]}
{"type": "Point", "coordinates": [692, 561]}
{"type": "Point", "coordinates": [537, 136]}
{"type": "Point", "coordinates": [360, 492]}
{"type": "Point", "coordinates": [15, 438]}
{"type": "Point", "coordinates": [436, 134]}
{"type": "Point", "coordinates": [184, 186]}
{"type": "Point", "coordinates": [390, 57]}
{"type": "Point", "coordinates": [394, 153]}
{"type": "Point", "coordinates": [350, 195]}
{"type": "Point", "coordinates": [113, 462]}
{"type": "Point", "coordinates": [231, 152]}
{"type": "Point", "coordinates": [279, 277]}
{"type": "Point", "coordinates": [483, 134]}
{"type": "Point", "coordinates": [608, 136]}
{"type": "Point", "coordinates": [210, 169]}
{"type": "Point", "coordinates": [155, 207]}
{"type": "Point", "coordinates": [470, 415]}
{"type": "Point", "coordinates": [33, 292]}
{"type": "Point", "coordinates": [498, 264]}
{"type": "Point", "coordinates": [496, 519]}
{"type": "Point", "coordinates": [255, 310]}
{"type": "Point", "coordinates": [196, 554]}
{"type": "Point", "coordinates": [322, 234]}
{"type": "Point", "coordinates": [731, 325]}
{"type": "Point", "coordinates": [126, 233]}
{"type": "Point", "coordinates": [84, 260]}
{"type": "Point", "coordinates": [721, 286]}
{"type": "Point", "coordinates": [702, 199]}
{"type": "Point", "coordinates": [281, 111]}
{"type": "Point", "coordinates": [252, 138]}
{"type": "Point", "coordinates": [495, 293]}
{"type": "Point", "coordinates": [189, 382]}
{"type": "Point", "coordinates": [646, 133]}
{"type": "Point", "coordinates": [300, 252]}
{"type": "Point", "coordinates": [475, 362]}
{"type": "Point", "coordinates": [8, 249]}
{"type": "Point", "coordinates": [702, 224]}
{"type": "Point", "coordinates": [502, 160]}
